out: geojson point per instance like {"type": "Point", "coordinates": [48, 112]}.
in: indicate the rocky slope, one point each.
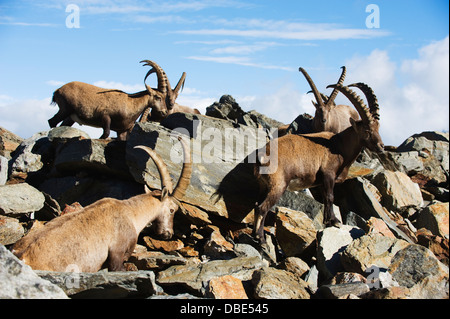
{"type": "Point", "coordinates": [394, 207]}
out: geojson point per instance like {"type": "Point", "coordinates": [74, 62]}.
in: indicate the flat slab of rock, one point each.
{"type": "Point", "coordinates": [20, 199]}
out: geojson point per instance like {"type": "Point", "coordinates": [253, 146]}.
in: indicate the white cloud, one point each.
{"type": "Point", "coordinates": [413, 96]}
{"type": "Point", "coordinates": [244, 61]}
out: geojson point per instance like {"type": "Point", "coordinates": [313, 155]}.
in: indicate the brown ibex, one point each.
{"type": "Point", "coordinates": [171, 95]}
{"type": "Point", "coordinates": [317, 159]}
{"type": "Point", "coordinates": [105, 233]}
{"type": "Point", "coordinates": [108, 109]}
{"type": "Point", "coordinates": [330, 117]}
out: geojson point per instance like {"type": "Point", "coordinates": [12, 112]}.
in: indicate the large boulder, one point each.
{"type": "Point", "coordinates": [220, 150]}
{"type": "Point", "coordinates": [18, 281]}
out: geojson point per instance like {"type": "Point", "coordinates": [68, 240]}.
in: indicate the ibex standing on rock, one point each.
{"type": "Point", "coordinates": [330, 117]}
{"type": "Point", "coordinates": [318, 159]}
{"type": "Point", "coordinates": [114, 110]}
{"type": "Point", "coordinates": [105, 233]}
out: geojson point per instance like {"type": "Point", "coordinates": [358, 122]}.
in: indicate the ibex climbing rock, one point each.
{"type": "Point", "coordinates": [318, 159]}
{"type": "Point", "coordinates": [114, 110]}
{"type": "Point", "coordinates": [105, 233]}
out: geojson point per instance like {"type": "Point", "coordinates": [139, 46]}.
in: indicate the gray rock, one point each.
{"type": "Point", "coordinates": [397, 190]}
{"type": "Point", "coordinates": [19, 199]}
{"type": "Point", "coordinates": [417, 268]}
{"type": "Point", "coordinates": [370, 250]}
{"type": "Point", "coordinates": [271, 283]}
{"type": "Point", "coordinates": [342, 290]}
{"type": "Point", "coordinates": [196, 277]}
{"type": "Point", "coordinates": [332, 242]}
{"type": "Point", "coordinates": [218, 162]}
{"type": "Point", "coordinates": [295, 231]}
{"type": "Point", "coordinates": [104, 284]}
{"type": "Point", "coordinates": [10, 230]}
{"type": "Point", "coordinates": [19, 281]}
{"type": "Point", "coordinates": [3, 170]}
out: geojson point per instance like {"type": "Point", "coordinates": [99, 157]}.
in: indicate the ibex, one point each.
{"type": "Point", "coordinates": [330, 117]}
{"type": "Point", "coordinates": [108, 109]}
{"type": "Point", "coordinates": [318, 159]}
{"type": "Point", "coordinates": [171, 95]}
{"type": "Point", "coordinates": [105, 233]}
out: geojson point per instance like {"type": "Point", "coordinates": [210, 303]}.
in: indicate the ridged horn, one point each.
{"type": "Point", "coordinates": [357, 102]}
{"type": "Point", "coordinates": [313, 87]}
{"type": "Point", "coordinates": [166, 180]}
{"type": "Point", "coordinates": [160, 74]}
{"type": "Point", "coordinates": [371, 99]}
{"type": "Point", "coordinates": [335, 91]}
{"type": "Point", "coordinates": [185, 176]}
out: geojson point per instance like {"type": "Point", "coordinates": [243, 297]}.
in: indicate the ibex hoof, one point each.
{"type": "Point", "coordinates": [333, 223]}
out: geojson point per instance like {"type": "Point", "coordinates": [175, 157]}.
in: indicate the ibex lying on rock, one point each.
{"type": "Point", "coordinates": [105, 233]}
{"type": "Point", "coordinates": [108, 109]}
{"type": "Point", "coordinates": [330, 117]}
{"type": "Point", "coordinates": [318, 159]}
{"type": "Point", "coordinates": [171, 95]}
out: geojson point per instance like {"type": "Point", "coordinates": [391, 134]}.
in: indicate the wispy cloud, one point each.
{"type": "Point", "coordinates": [244, 61]}
{"type": "Point", "coordinates": [5, 20]}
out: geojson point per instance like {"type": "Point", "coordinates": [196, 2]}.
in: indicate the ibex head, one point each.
{"type": "Point", "coordinates": [165, 96]}
{"type": "Point", "coordinates": [368, 127]}
{"type": "Point", "coordinates": [323, 103]}
{"type": "Point", "coordinates": [169, 197]}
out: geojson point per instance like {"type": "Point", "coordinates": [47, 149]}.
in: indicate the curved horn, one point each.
{"type": "Point", "coordinates": [313, 87]}
{"type": "Point", "coordinates": [371, 99]}
{"type": "Point", "coordinates": [185, 176]}
{"type": "Point", "coordinates": [357, 102]}
{"type": "Point", "coordinates": [161, 75]}
{"type": "Point", "coordinates": [335, 91]}
{"type": "Point", "coordinates": [164, 175]}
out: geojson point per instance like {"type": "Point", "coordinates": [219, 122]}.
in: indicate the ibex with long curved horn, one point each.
{"type": "Point", "coordinates": [171, 95]}
{"type": "Point", "coordinates": [329, 116]}
{"type": "Point", "coordinates": [318, 159]}
{"type": "Point", "coordinates": [105, 233]}
{"type": "Point", "coordinates": [108, 109]}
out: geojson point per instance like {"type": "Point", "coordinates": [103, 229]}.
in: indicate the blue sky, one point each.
{"type": "Point", "coordinates": [249, 49]}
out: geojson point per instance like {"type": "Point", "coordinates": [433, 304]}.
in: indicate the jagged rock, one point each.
{"type": "Point", "coordinates": [8, 142]}
{"type": "Point", "coordinates": [433, 151]}
{"type": "Point", "coordinates": [369, 250]}
{"type": "Point", "coordinates": [341, 291]}
{"type": "Point", "coordinates": [104, 284]}
{"type": "Point", "coordinates": [295, 231]}
{"type": "Point", "coordinates": [435, 218]}
{"type": "Point", "coordinates": [218, 151]}
{"type": "Point", "coordinates": [388, 293]}
{"type": "Point", "coordinates": [331, 242]}
{"type": "Point", "coordinates": [378, 226]}
{"type": "Point", "coordinates": [10, 230]}
{"type": "Point", "coordinates": [226, 287]}
{"type": "Point", "coordinates": [397, 190]}
{"type": "Point", "coordinates": [155, 260]}
{"type": "Point", "coordinates": [98, 156]}
{"type": "Point", "coordinates": [347, 277]}
{"type": "Point", "coordinates": [19, 199]}
{"type": "Point", "coordinates": [18, 281]}
{"type": "Point", "coordinates": [295, 265]}
{"type": "Point", "coordinates": [416, 268]}
{"type": "Point", "coordinates": [364, 202]}
{"type": "Point", "coordinates": [438, 245]}
{"type": "Point", "coordinates": [196, 277]}
{"type": "Point", "coordinates": [164, 245]}
{"type": "Point", "coordinates": [217, 247]}
{"type": "Point", "coordinates": [271, 283]}
{"type": "Point", "coordinates": [3, 170]}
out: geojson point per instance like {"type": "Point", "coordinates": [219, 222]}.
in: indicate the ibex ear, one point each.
{"type": "Point", "coordinates": [353, 123]}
